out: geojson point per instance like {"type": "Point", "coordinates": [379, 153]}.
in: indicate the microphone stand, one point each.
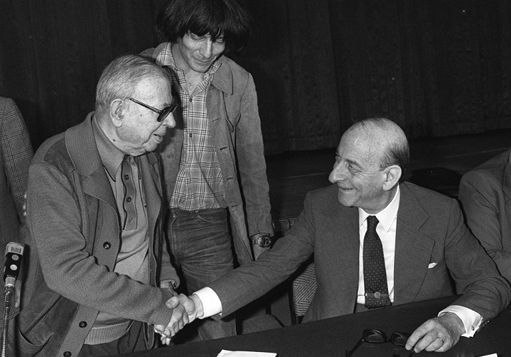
{"type": "Point", "coordinates": [8, 293]}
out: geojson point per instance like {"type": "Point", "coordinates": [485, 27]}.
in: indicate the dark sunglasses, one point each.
{"type": "Point", "coordinates": [162, 113]}
{"type": "Point", "coordinates": [378, 336]}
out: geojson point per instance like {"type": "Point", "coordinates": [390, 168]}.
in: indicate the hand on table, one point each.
{"type": "Point", "coordinates": [438, 334]}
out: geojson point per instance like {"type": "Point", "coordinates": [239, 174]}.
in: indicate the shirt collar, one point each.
{"type": "Point", "coordinates": [386, 216]}
{"type": "Point", "coordinates": [110, 155]}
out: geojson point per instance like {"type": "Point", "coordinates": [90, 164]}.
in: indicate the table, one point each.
{"type": "Point", "coordinates": [331, 337]}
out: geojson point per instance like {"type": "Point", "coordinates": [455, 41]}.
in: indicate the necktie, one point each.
{"type": "Point", "coordinates": [375, 278]}
{"type": "Point", "coordinates": [130, 192]}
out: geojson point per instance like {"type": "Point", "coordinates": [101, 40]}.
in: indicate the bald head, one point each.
{"type": "Point", "coordinates": [388, 141]}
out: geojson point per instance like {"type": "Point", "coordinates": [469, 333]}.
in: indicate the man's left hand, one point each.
{"type": "Point", "coordinates": [438, 334]}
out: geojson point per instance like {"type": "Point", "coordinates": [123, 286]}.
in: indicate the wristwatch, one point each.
{"type": "Point", "coordinates": [263, 240]}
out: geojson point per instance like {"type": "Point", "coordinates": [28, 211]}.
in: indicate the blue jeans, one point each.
{"type": "Point", "coordinates": [201, 250]}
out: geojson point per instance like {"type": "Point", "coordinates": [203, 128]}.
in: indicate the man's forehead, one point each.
{"type": "Point", "coordinates": [152, 86]}
{"type": "Point", "coordinates": [360, 147]}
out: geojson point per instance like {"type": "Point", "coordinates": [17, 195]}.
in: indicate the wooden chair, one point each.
{"type": "Point", "coordinates": [303, 282]}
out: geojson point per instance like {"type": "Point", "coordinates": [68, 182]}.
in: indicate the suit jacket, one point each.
{"type": "Point", "coordinates": [75, 236]}
{"type": "Point", "coordinates": [430, 229]}
{"type": "Point", "coordinates": [485, 193]}
{"type": "Point", "coordinates": [15, 156]}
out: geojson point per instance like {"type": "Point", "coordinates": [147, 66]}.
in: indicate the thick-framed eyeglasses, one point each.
{"type": "Point", "coordinates": [162, 113]}
{"type": "Point", "coordinates": [378, 336]}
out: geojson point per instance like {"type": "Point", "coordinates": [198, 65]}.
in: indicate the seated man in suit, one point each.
{"type": "Point", "coordinates": [485, 193]}
{"type": "Point", "coordinates": [376, 241]}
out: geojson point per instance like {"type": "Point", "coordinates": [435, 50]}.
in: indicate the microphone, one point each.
{"type": "Point", "coordinates": [12, 266]}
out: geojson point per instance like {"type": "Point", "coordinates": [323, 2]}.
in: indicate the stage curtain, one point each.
{"type": "Point", "coordinates": [437, 67]}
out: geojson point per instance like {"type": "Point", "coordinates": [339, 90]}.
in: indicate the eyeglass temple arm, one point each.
{"type": "Point", "coordinates": [350, 352]}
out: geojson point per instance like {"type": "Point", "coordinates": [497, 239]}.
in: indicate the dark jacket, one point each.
{"type": "Point", "coordinates": [485, 193]}
{"type": "Point", "coordinates": [433, 248]}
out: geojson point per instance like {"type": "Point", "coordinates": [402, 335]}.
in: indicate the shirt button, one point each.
{"type": "Point", "coordinates": [82, 324]}
{"type": "Point", "coordinates": [67, 354]}
{"type": "Point", "coordinates": [126, 177]}
{"type": "Point", "coordinates": [128, 199]}
{"type": "Point", "coordinates": [190, 100]}
{"type": "Point", "coordinates": [106, 245]}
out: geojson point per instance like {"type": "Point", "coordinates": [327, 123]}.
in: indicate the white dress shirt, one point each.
{"type": "Point", "coordinates": [386, 230]}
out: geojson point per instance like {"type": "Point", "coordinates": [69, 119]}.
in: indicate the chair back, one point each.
{"type": "Point", "coordinates": [303, 283]}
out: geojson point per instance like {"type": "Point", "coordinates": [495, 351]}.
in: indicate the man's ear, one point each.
{"type": "Point", "coordinates": [117, 112]}
{"type": "Point", "coordinates": [393, 174]}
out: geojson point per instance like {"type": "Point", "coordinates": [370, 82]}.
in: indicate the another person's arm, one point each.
{"type": "Point", "coordinates": [252, 165]}
{"type": "Point", "coordinates": [16, 151]}
{"type": "Point", "coordinates": [484, 293]}
{"type": "Point", "coordinates": [55, 221]}
{"type": "Point", "coordinates": [480, 196]}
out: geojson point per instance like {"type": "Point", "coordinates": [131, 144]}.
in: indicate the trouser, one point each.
{"type": "Point", "coordinates": [132, 341]}
{"type": "Point", "coordinates": [201, 249]}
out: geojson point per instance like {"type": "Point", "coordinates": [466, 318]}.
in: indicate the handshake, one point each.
{"type": "Point", "coordinates": [185, 309]}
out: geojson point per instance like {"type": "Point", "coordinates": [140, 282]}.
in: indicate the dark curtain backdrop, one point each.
{"type": "Point", "coordinates": [437, 67]}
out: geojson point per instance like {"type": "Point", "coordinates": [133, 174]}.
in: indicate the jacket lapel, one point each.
{"type": "Point", "coordinates": [83, 151]}
{"type": "Point", "coordinates": [413, 248]}
{"type": "Point", "coordinates": [337, 256]}
{"type": "Point", "coordinates": [223, 78]}
{"type": "Point", "coordinates": [152, 188]}
{"type": "Point", "coordinates": [350, 248]}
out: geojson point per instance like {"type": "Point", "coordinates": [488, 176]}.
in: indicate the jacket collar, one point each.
{"type": "Point", "coordinates": [223, 80]}
{"type": "Point", "coordinates": [413, 246]}
{"type": "Point", "coordinates": [82, 149]}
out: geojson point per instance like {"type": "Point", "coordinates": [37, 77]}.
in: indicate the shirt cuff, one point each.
{"type": "Point", "coordinates": [471, 319]}
{"type": "Point", "coordinates": [211, 304]}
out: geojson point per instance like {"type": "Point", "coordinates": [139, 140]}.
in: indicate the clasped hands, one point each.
{"type": "Point", "coordinates": [184, 311]}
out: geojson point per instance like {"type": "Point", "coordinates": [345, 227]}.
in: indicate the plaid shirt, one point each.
{"type": "Point", "coordinates": [16, 151]}
{"type": "Point", "coordinates": [199, 183]}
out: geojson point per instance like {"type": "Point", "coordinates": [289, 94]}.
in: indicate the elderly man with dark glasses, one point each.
{"type": "Point", "coordinates": [99, 275]}
{"type": "Point", "coordinates": [162, 113]}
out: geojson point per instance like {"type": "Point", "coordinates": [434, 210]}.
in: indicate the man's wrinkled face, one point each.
{"type": "Point", "coordinates": [140, 132]}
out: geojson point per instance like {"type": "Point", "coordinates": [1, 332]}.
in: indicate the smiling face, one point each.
{"type": "Point", "coordinates": [138, 130]}
{"type": "Point", "coordinates": [357, 172]}
{"type": "Point", "coordinates": [197, 53]}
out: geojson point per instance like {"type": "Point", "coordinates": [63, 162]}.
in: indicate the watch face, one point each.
{"type": "Point", "coordinates": [265, 242]}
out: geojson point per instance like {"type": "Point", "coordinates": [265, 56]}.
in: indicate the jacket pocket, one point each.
{"type": "Point", "coordinates": [25, 347]}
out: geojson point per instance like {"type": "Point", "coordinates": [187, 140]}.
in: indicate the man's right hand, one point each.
{"type": "Point", "coordinates": [181, 309]}
{"type": "Point", "coordinates": [191, 304]}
